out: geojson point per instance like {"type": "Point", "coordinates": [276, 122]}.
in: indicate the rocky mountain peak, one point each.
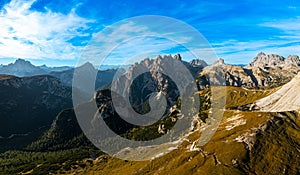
{"type": "Point", "coordinates": [293, 60]}
{"type": "Point", "coordinates": [87, 65]}
{"type": "Point", "coordinates": [21, 68]}
{"type": "Point", "coordinates": [177, 57]}
{"type": "Point", "coordinates": [261, 54]}
{"type": "Point", "coordinates": [198, 63]}
{"type": "Point", "coordinates": [264, 60]}
{"type": "Point", "coordinates": [219, 62]}
{"type": "Point", "coordinates": [274, 61]}
{"type": "Point", "coordinates": [22, 61]}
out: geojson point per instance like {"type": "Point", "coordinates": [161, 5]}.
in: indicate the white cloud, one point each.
{"type": "Point", "coordinates": [290, 26]}
{"type": "Point", "coordinates": [39, 35]}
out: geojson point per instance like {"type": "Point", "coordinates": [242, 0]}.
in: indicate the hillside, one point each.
{"type": "Point", "coordinates": [28, 106]}
{"type": "Point", "coordinates": [244, 143]}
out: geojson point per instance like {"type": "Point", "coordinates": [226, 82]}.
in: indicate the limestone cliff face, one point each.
{"type": "Point", "coordinates": [292, 60]}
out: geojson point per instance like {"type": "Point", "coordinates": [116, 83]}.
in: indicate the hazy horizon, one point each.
{"type": "Point", "coordinates": [37, 63]}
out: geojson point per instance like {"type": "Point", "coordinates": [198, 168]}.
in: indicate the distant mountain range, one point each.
{"type": "Point", "coordinates": [103, 76]}
{"type": "Point", "coordinates": [23, 68]}
{"type": "Point", "coordinates": [31, 96]}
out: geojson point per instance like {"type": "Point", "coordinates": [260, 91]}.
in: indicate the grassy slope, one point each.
{"type": "Point", "coordinates": [274, 150]}
{"type": "Point", "coordinates": [237, 96]}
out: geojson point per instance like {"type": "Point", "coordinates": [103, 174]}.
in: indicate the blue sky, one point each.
{"type": "Point", "coordinates": [55, 32]}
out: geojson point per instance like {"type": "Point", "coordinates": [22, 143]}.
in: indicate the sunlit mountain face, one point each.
{"type": "Point", "coordinates": [154, 87]}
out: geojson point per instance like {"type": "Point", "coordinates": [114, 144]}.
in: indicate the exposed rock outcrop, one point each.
{"type": "Point", "coordinates": [287, 98]}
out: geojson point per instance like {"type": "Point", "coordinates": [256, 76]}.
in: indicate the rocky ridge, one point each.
{"type": "Point", "coordinates": [265, 71]}
{"type": "Point", "coordinates": [273, 60]}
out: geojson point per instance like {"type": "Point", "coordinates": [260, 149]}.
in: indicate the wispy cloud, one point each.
{"type": "Point", "coordinates": [58, 30]}
{"type": "Point", "coordinates": [25, 33]}
{"type": "Point", "coordinates": [146, 36]}
{"type": "Point", "coordinates": [290, 27]}
{"type": "Point", "coordinates": [280, 36]}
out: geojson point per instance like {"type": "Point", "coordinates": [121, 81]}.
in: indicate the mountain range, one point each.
{"type": "Point", "coordinates": [263, 71]}
{"type": "Point", "coordinates": [258, 134]}
{"type": "Point", "coordinates": [23, 68]}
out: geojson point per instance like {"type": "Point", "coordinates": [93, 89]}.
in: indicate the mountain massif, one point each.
{"type": "Point", "coordinates": [23, 68]}
{"type": "Point", "coordinates": [265, 71]}
{"type": "Point", "coordinates": [258, 132]}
